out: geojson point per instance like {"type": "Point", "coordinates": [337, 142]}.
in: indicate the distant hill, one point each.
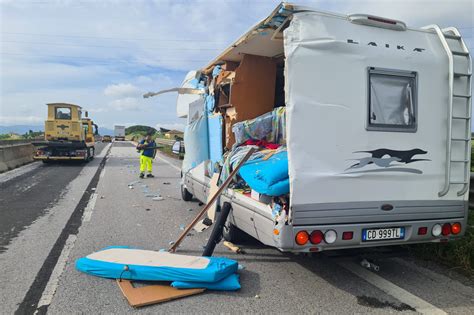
{"type": "Point", "coordinates": [20, 129]}
{"type": "Point", "coordinates": [139, 129]}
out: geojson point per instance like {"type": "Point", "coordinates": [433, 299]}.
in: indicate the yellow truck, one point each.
{"type": "Point", "coordinates": [67, 135]}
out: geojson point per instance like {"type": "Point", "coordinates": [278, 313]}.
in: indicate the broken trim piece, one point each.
{"type": "Point", "coordinates": [180, 90]}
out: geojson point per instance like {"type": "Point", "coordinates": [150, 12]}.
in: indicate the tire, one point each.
{"type": "Point", "coordinates": [233, 234]}
{"type": "Point", "coordinates": [91, 156]}
{"type": "Point", "coordinates": [185, 194]}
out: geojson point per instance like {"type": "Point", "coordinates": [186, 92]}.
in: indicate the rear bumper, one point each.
{"type": "Point", "coordinates": [56, 158]}
{"type": "Point", "coordinates": [286, 241]}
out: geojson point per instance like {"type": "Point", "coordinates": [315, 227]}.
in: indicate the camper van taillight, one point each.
{"type": "Point", "coordinates": [302, 238]}
{"type": "Point", "coordinates": [436, 230]}
{"type": "Point", "coordinates": [456, 228]}
{"type": "Point", "coordinates": [330, 236]}
{"type": "Point", "coordinates": [316, 237]}
{"type": "Point", "coordinates": [446, 229]}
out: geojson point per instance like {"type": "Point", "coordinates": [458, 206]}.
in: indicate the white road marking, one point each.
{"type": "Point", "coordinates": [102, 174]}
{"type": "Point", "coordinates": [53, 283]}
{"type": "Point", "coordinates": [19, 171]}
{"type": "Point", "coordinates": [86, 217]}
{"type": "Point", "coordinates": [169, 163]}
{"type": "Point", "coordinates": [388, 287]}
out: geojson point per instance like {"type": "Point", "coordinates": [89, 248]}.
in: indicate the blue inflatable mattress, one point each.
{"type": "Point", "coordinates": [268, 177]}
{"type": "Point", "coordinates": [137, 264]}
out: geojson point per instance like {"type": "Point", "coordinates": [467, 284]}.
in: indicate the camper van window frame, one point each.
{"type": "Point", "coordinates": [62, 108]}
{"type": "Point", "coordinates": [400, 74]}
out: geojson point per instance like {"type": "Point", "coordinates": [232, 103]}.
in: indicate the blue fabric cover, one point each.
{"type": "Point", "coordinates": [230, 283]}
{"type": "Point", "coordinates": [215, 138]}
{"type": "Point", "coordinates": [196, 138]}
{"type": "Point", "coordinates": [218, 269]}
{"type": "Point", "coordinates": [268, 177]}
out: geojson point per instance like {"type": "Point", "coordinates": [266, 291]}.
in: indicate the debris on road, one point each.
{"type": "Point", "coordinates": [152, 294]}
{"type": "Point", "coordinates": [188, 274]}
{"type": "Point", "coordinates": [233, 247]}
{"type": "Point", "coordinates": [158, 198]}
{"type": "Point", "coordinates": [369, 265]}
{"type": "Point", "coordinates": [166, 183]}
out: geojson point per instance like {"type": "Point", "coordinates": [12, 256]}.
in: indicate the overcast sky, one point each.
{"type": "Point", "coordinates": [103, 55]}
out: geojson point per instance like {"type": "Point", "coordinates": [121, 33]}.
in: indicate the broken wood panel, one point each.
{"type": "Point", "coordinates": [253, 91]}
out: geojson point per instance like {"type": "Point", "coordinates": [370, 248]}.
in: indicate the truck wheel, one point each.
{"type": "Point", "coordinates": [91, 155]}
{"type": "Point", "coordinates": [233, 234]}
{"type": "Point", "coordinates": [185, 194]}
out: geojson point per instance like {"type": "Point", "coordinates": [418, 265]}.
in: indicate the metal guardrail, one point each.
{"type": "Point", "coordinates": [18, 141]}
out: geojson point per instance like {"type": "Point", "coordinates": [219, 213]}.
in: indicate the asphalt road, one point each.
{"type": "Point", "coordinates": [97, 209]}
{"type": "Point", "coordinates": [28, 196]}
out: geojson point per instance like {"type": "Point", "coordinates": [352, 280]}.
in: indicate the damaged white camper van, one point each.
{"type": "Point", "coordinates": [362, 125]}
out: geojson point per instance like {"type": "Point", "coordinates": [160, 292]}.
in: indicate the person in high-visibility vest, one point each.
{"type": "Point", "coordinates": [147, 149]}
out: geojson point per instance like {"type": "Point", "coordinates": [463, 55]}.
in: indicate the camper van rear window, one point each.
{"type": "Point", "coordinates": [392, 99]}
{"type": "Point", "coordinates": [63, 113]}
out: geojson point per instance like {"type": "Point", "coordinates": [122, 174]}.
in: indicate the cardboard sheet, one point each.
{"type": "Point", "coordinates": [152, 294]}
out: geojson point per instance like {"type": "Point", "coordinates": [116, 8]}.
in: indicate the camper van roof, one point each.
{"type": "Point", "coordinates": [264, 38]}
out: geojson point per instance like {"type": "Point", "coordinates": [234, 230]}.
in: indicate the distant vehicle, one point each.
{"type": "Point", "coordinates": [119, 133]}
{"type": "Point", "coordinates": [106, 138]}
{"type": "Point", "coordinates": [67, 136]}
{"type": "Point", "coordinates": [376, 131]}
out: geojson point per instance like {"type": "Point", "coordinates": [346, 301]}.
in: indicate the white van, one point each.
{"type": "Point", "coordinates": [377, 129]}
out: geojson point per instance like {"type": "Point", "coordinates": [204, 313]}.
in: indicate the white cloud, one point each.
{"type": "Point", "coordinates": [125, 104]}
{"type": "Point", "coordinates": [121, 90]}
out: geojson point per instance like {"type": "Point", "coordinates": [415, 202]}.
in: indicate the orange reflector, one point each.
{"type": "Point", "coordinates": [302, 237]}
{"type": "Point", "coordinates": [456, 228]}
{"type": "Point", "coordinates": [276, 232]}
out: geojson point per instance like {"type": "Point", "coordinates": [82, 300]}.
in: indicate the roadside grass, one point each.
{"type": "Point", "coordinates": [457, 255]}
{"type": "Point", "coordinates": [166, 149]}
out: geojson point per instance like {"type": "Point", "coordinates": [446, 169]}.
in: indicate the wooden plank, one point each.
{"type": "Point", "coordinates": [211, 201]}
{"type": "Point", "coordinates": [152, 294]}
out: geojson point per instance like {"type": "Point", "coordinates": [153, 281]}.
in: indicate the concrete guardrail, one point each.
{"type": "Point", "coordinates": [14, 155]}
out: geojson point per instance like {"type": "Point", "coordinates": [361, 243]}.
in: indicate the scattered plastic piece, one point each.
{"type": "Point", "coordinates": [93, 189]}
{"type": "Point", "coordinates": [158, 198]}
{"type": "Point", "coordinates": [130, 186]}
{"type": "Point", "coordinates": [147, 209]}
{"type": "Point", "coordinates": [166, 183]}
{"type": "Point", "coordinates": [240, 267]}
{"type": "Point", "coordinates": [162, 250]}
{"type": "Point", "coordinates": [190, 209]}
{"type": "Point", "coordinates": [171, 243]}
{"type": "Point", "coordinates": [182, 227]}
{"type": "Point", "coordinates": [102, 197]}
{"type": "Point", "coordinates": [257, 296]}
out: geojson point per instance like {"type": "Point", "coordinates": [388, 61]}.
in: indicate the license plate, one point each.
{"type": "Point", "coordinates": [396, 233]}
